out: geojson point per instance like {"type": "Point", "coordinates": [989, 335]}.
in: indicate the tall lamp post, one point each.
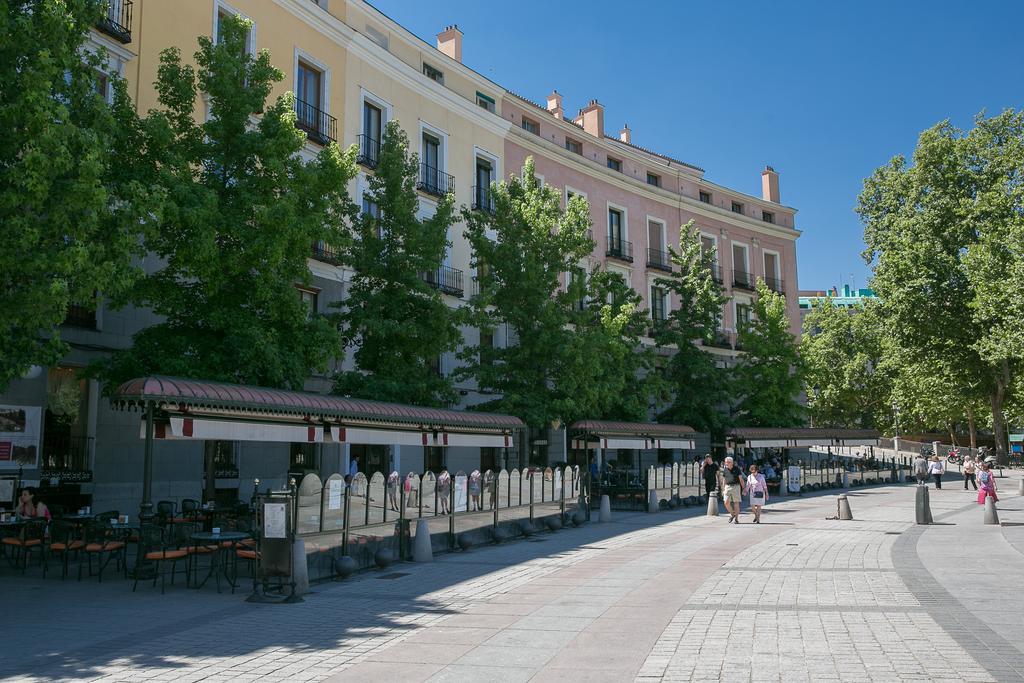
{"type": "Point", "coordinates": [896, 438]}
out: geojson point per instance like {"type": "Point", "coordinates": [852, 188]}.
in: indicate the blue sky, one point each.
{"type": "Point", "coordinates": [823, 91]}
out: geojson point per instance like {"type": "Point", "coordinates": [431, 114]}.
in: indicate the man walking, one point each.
{"type": "Point", "coordinates": [733, 484]}
{"type": "Point", "coordinates": [969, 473]}
{"type": "Point", "coordinates": [709, 471]}
{"type": "Point", "coordinates": [921, 469]}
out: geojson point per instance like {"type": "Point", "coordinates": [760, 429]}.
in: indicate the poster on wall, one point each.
{"type": "Point", "coordinates": [19, 436]}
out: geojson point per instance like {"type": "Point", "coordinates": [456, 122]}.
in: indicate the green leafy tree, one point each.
{"type": "Point", "coordinates": [397, 321]}
{"type": "Point", "coordinates": [946, 240]}
{"type": "Point", "coordinates": [848, 382]}
{"type": "Point", "coordinates": [70, 212]}
{"type": "Point", "coordinates": [608, 373]}
{"type": "Point", "coordinates": [520, 252]}
{"type": "Point", "coordinates": [768, 376]}
{"type": "Point", "coordinates": [698, 387]}
{"type": "Point", "coordinates": [243, 209]}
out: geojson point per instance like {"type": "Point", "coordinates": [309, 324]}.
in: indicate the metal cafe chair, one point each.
{"type": "Point", "coordinates": [155, 553]}
{"type": "Point", "coordinates": [102, 543]}
{"type": "Point", "coordinates": [30, 539]}
{"type": "Point", "coordinates": [64, 542]}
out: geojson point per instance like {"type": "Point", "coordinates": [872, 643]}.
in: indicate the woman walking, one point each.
{"type": "Point", "coordinates": [936, 469]}
{"type": "Point", "coordinates": [969, 474]}
{"type": "Point", "coordinates": [987, 482]}
{"type": "Point", "coordinates": [757, 486]}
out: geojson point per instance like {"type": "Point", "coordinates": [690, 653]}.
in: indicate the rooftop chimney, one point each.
{"type": "Point", "coordinates": [592, 118]}
{"type": "Point", "coordinates": [626, 134]}
{"type": "Point", "coordinates": [449, 41]}
{"type": "Point", "coordinates": [555, 105]}
{"type": "Point", "coordinates": [770, 185]}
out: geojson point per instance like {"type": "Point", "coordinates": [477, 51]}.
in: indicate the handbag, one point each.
{"type": "Point", "coordinates": [759, 494]}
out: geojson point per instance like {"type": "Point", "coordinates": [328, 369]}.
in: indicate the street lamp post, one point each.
{"type": "Point", "coordinates": [896, 438]}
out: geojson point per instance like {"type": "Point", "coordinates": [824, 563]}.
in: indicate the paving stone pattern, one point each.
{"type": "Point", "coordinates": [671, 596]}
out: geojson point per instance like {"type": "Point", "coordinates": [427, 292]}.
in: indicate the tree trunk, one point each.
{"type": "Point", "coordinates": [952, 434]}
{"type": "Point", "coordinates": [1002, 382]}
{"type": "Point", "coordinates": [971, 428]}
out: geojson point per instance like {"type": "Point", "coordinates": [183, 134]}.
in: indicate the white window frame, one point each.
{"type": "Point", "coordinates": [570, 188]}
{"type": "Point", "coordinates": [664, 231]}
{"type": "Point", "coordinates": [746, 255]}
{"type": "Point", "coordinates": [221, 6]}
{"type": "Point", "coordinates": [325, 79]}
{"type": "Point", "coordinates": [778, 264]}
{"type": "Point", "coordinates": [666, 300]}
{"type": "Point", "coordinates": [714, 239]}
{"type": "Point", "coordinates": [747, 302]}
{"type": "Point", "coordinates": [625, 220]}
{"type": "Point", "coordinates": [442, 136]}
{"type": "Point", "coordinates": [382, 104]}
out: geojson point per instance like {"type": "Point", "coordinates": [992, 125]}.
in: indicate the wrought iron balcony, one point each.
{"type": "Point", "coordinates": [435, 181]}
{"type": "Point", "coordinates": [445, 279]}
{"type": "Point", "coordinates": [81, 315]}
{"type": "Point", "coordinates": [324, 252]}
{"type": "Point", "coordinates": [320, 127]}
{"type": "Point", "coordinates": [659, 260]}
{"type": "Point", "coordinates": [483, 199]}
{"type": "Point", "coordinates": [65, 457]}
{"type": "Point", "coordinates": [743, 280]}
{"type": "Point", "coordinates": [721, 340]}
{"type": "Point", "coordinates": [716, 273]}
{"type": "Point", "coordinates": [116, 22]}
{"type": "Point", "coordinates": [369, 151]}
{"type": "Point", "coordinates": [620, 249]}
{"type": "Point", "coordinates": [775, 284]}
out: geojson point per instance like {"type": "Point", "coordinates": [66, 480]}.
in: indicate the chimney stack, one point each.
{"type": "Point", "coordinates": [770, 185]}
{"type": "Point", "coordinates": [626, 134]}
{"type": "Point", "coordinates": [555, 105]}
{"type": "Point", "coordinates": [449, 41]}
{"type": "Point", "coordinates": [592, 118]}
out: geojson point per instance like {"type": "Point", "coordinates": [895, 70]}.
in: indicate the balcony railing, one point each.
{"type": "Point", "coordinates": [721, 340]}
{"type": "Point", "coordinates": [117, 20]}
{"type": "Point", "coordinates": [435, 181]}
{"type": "Point", "coordinates": [68, 458]}
{"type": "Point", "coordinates": [716, 273]}
{"type": "Point", "coordinates": [743, 280]}
{"type": "Point", "coordinates": [483, 199]}
{"type": "Point", "coordinates": [81, 315]}
{"type": "Point", "coordinates": [324, 252]}
{"type": "Point", "coordinates": [369, 151]}
{"type": "Point", "coordinates": [445, 279]}
{"type": "Point", "coordinates": [620, 249]}
{"type": "Point", "coordinates": [659, 260]}
{"type": "Point", "coordinates": [320, 126]}
{"type": "Point", "coordinates": [775, 284]}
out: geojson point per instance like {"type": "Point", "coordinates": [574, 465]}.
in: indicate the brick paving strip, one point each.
{"type": "Point", "coordinates": [666, 596]}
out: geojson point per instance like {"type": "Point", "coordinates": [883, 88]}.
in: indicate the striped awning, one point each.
{"type": "Point", "coordinates": [758, 437]}
{"type": "Point", "coordinates": [607, 434]}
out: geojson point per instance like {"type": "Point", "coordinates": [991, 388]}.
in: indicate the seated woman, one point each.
{"type": "Point", "coordinates": [29, 505]}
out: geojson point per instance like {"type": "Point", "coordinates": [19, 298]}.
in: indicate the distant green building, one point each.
{"type": "Point", "coordinates": [847, 298]}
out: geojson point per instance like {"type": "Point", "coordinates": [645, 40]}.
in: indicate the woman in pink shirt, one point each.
{"type": "Point", "coordinates": [757, 488]}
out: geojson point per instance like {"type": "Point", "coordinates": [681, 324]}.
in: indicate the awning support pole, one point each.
{"type": "Point", "coordinates": [146, 508]}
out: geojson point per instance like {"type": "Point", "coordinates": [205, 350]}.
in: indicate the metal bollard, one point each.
{"type": "Point", "coordinates": [923, 507]}
{"type": "Point", "coordinates": [991, 515]}
{"type": "Point", "coordinates": [843, 506]}
{"type": "Point", "coordinates": [605, 515]}
{"type": "Point", "coordinates": [712, 504]}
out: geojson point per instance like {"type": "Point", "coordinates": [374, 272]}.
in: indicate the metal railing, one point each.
{"type": "Point", "coordinates": [320, 126]}
{"type": "Point", "coordinates": [743, 280]}
{"type": "Point", "coordinates": [368, 153]}
{"type": "Point", "coordinates": [117, 20]}
{"type": "Point", "coordinates": [620, 249]}
{"type": "Point", "coordinates": [81, 315]}
{"type": "Point", "coordinates": [435, 181]}
{"type": "Point", "coordinates": [483, 199]}
{"type": "Point", "coordinates": [659, 260]}
{"type": "Point", "coordinates": [357, 517]}
{"type": "Point", "coordinates": [445, 279]}
{"type": "Point", "coordinates": [322, 251]}
{"type": "Point", "coordinates": [64, 457]}
{"type": "Point", "coordinates": [716, 273]}
{"type": "Point", "coordinates": [775, 284]}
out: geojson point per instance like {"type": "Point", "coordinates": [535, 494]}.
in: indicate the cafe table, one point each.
{"type": "Point", "coordinates": [225, 540]}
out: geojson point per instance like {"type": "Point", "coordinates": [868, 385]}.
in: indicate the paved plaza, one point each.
{"type": "Point", "coordinates": [671, 596]}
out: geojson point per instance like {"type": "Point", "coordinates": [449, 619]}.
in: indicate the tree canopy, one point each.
{"type": "Point", "coordinates": [243, 208]}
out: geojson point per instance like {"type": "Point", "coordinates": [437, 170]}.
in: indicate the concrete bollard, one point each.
{"type": "Point", "coordinates": [844, 507]}
{"type": "Point", "coordinates": [923, 507]}
{"type": "Point", "coordinates": [1020, 488]}
{"type": "Point", "coordinates": [846, 480]}
{"type": "Point", "coordinates": [606, 509]}
{"type": "Point", "coordinates": [652, 501]}
{"type": "Point", "coordinates": [901, 476]}
{"type": "Point", "coordinates": [712, 504]}
{"type": "Point", "coordinates": [300, 570]}
{"type": "Point", "coordinates": [991, 515]}
{"type": "Point", "coordinates": [422, 550]}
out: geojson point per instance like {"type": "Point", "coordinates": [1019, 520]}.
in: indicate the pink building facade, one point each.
{"type": "Point", "coordinates": [640, 199]}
